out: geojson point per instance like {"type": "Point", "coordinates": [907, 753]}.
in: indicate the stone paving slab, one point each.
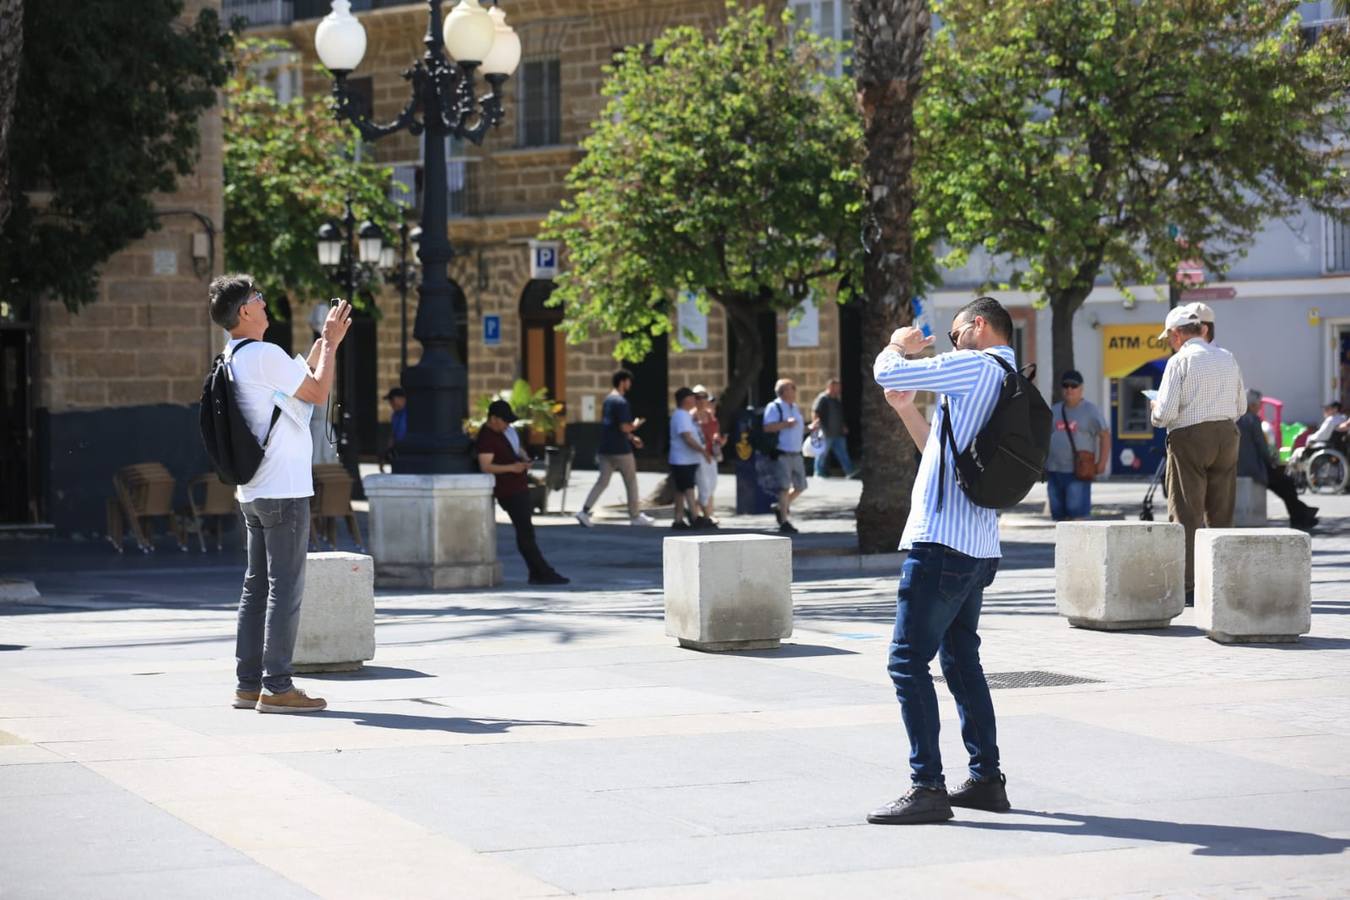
{"type": "Point", "coordinates": [522, 742]}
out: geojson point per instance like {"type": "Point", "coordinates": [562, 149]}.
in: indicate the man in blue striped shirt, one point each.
{"type": "Point", "coordinates": [953, 555]}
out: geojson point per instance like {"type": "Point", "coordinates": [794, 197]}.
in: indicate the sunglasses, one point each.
{"type": "Point", "coordinates": [954, 336]}
{"type": "Point", "coordinates": [1069, 384]}
{"type": "Point", "coordinates": [256, 295]}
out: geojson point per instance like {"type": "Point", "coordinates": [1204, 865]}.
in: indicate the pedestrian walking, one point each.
{"type": "Point", "coordinates": [501, 456]}
{"type": "Point", "coordinates": [276, 396]}
{"type": "Point", "coordinates": [1199, 402]}
{"type": "Point", "coordinates": [784, 419]}
{"type": "Point", "coordinates": [705, 416]}
{"type": "Point", "coordinates": [1256, 461]}
{"type": "Point", "coordinates": [618, 440]}
{"type": "Point", "coordinates": [1080, 451]}
{"type": "Point", "coordinates": [953, 556]}
{"type": "Point", "coordinates": [686, 452]}
{"type": "Point", "coordinates": [828, 420]}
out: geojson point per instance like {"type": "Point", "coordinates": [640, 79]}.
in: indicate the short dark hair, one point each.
{"type": "Point", "coordinates": [682, 395]}
{"type": "Point", "coordinates": [227, 293]}
{"type": "Point", "coordinates": [1334, 404]}
{"type": "Point", "coordinates": [621, 376]}
{"type": "Point", "coordinates": [992, 312]}
{"type": "Point", "coordinates": [1194, 330]}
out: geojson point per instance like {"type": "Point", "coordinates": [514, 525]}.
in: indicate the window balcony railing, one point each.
{"type": "Point", "coordinates": [1337, 245]}
{"type": "Point", "coordinates": [258, 13]}
{"type": "Point", "coordinates": [462, 197]}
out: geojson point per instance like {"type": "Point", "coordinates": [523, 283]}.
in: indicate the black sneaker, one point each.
{"type": "Point", "coordinates": [704, 522]}
{"type": "Point", "coordinates": [550, 578]}
{"type": "Point", "coordinates": [786, 527]}
{"type": "Point", "coordinates": [777, 513]}
{"type": "Point", "coordinates": [990, 795]}
{"type": "Point", "coordinates": [919, 806]}
{"type": "Point", "coordinates": [681, 525]}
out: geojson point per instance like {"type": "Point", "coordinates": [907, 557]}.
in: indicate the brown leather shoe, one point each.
{"type": "Point", "coordinates": [246, 699]}
{"type": "Point", "coordinates": [292, 701]}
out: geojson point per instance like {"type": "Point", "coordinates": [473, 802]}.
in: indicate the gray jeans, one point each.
{"type": "Point", "coordinates": [269, 608]}
{"type": "Point", "coordinates": [627, 467]}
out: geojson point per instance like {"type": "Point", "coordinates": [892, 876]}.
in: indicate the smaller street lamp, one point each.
{"type": "Point", "coordinates": [400, 271]}
{"type": "Point", "coordinates": [330, 245]}
{"type": "Point", "coordinates": [371, 242]}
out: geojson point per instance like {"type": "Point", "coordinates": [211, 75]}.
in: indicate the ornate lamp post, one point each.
{"type": "Point", "coordinates": [442, 105]}
{"type": "Point", "coordinates": [341, 245]}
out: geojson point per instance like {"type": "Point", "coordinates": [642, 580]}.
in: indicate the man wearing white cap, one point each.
{"type": "Point", "coordinates": [1206, 317]}
{"type": "Point", "coordinates": [1200, 400]}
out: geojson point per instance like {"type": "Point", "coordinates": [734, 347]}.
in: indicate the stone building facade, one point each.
{"type": "Point", "coordinates": [117, 382]}
{"type": "Point", "coordinates": [502, 191]}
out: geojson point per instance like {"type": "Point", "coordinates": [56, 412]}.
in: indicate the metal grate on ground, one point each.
{"type": "Point", "coordinates": [1010, 680]}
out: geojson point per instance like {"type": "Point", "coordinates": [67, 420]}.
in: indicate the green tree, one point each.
{"type": "Point", "coordinates": [107, 111]}
{"type": "Point", "coordinates": [290, 167]}
{"type": "Point", "coordinates": [889, 41]}
{"type": "Point", "coordinates": [726, 166]}
{"type": "Point", "coordinates": [1078, 140]}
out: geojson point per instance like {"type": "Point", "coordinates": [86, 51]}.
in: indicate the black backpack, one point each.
{"type": "Point", "coordinates": [235, 453]}
{"type": "Point", "coordinates": [1007, 457]}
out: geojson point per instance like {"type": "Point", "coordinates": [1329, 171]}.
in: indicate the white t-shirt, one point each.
{"type": "Point", "coordinates": [261, 371]}
{"type": "Point", "coordinates": [681, 454]}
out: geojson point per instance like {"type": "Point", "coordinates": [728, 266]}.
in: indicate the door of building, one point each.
{"type": "Point", "coordinates": [1338, 360]}
{"type": "Point", "coordinates": [650, 399]}
{"type": "Point", "coordinates": [543, 350]}
{"type": "Point", "coordinates": [19, 495]}
{"type": "Point", "coordinates": [761, 389]}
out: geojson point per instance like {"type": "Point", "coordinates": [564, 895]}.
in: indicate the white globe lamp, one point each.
{"type": "Point", "coordinates": [469, 32]}
{"type": "Point", "coordinates": [340, 39]}
{"type": "Point", "coordinates": [504, 56]}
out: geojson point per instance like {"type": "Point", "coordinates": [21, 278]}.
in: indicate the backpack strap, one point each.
{"type": "Point", "coordinates": [276, 410]}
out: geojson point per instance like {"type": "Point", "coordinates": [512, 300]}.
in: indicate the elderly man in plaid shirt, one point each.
{"type": "Point", "coordinates": [1199, 402]}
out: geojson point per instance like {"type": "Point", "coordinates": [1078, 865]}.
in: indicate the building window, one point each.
{"type": "Point", "coordinates": [539, 104]}
{"type": "Point", "coordinates": [1337, 240]}
{"type": "Point", "coordinates": [831, 19]}
{"type": "Point", "coordinates": [458, 182]}
{"type": "Point", "coordinates": [280, 73]}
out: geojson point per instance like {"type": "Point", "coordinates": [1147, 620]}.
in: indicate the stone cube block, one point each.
{"type": "Point", "coordinates": [1253, 585]}
{"type": "Point", "coordinates": [337, 614]}
{"type": "Point", "coordinates": [1112, 576]}
{"type": "Point", "coordinates": [728, 592]}
{"type": "Point", "coordinates": [1249, 507]}
{"type": "Point", "coordinates": [433, 531]}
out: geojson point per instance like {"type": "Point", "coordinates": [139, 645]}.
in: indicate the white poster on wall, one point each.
{"type": "Point", "coordinates": [691, 323]}
{"type": "Point", "coordinates": [806, 331]}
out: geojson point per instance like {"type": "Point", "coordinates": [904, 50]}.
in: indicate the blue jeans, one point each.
{"type": "Point", "coordinates": [938, 613]}
{"type": "Point", "coordinates": [839, 447]}
{"type": "Point", "coordinates": [1069, 497]}
{"type": "Point", "coordinates": [269, 607]}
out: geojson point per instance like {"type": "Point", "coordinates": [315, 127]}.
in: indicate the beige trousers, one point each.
{"type": "Point", "coordinates": [627, 467]}
{"type": "Point", "coordinates": [1201, 481]}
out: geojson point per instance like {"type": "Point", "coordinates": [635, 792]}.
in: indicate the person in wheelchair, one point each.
{"type": "Point", "coordinates": [1332, 432]}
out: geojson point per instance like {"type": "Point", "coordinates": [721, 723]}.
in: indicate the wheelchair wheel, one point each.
{"type": "Point", "coordinates": [1327, 472]}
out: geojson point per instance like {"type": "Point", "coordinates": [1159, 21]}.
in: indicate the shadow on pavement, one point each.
{"type": "Point", "coordinates": [790, 651]}
{"type": "Point", "coordinates": [1212, 840]}
{"type": "Point", "coordinates": [455, 724]}
{"type": "Point", "coordinates": [369, 673]}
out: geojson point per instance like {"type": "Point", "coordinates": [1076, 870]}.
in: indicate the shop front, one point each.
{"type": "Point", "coordinates": [1133, 360]}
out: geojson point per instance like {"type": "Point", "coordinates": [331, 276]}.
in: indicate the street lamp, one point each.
{"type": "Point", "coordinates": [340, 246]}
{"type": "Point", "coordinates": [399, 272]}
{"type": "Point", "coordinates": [442, 105]}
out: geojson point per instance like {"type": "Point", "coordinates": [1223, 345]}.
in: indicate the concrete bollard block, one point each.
{"type": "Point", "coordinates": [1112, 576]}
{"type": "Point", "coordinates": [1249, 507]}
{"type": "Point", "coordinates": [433, 531]}
{"type": "Point", "coordinates": [1253, 585]}
{"type": "Point", "coordinates": [337, 614]}
{"type": "Point", "coordinates": [728, 592]}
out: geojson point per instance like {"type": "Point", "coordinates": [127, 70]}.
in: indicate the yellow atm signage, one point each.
{"type": "Point", "coordinates": [1127, 347]}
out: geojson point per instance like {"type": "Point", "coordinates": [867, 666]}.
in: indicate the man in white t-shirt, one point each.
{"type": "Point", "coordinates": [782, 417]}
{"type": "Point", "coordinates": [687, 450]}
{"type": "Point", "coordinates": [275, 502]}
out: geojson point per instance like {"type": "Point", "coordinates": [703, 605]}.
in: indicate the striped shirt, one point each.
{"type": "Point", "coordinates": [1201, 383]}
{"type": "Point", "coordinates": [971, 381]}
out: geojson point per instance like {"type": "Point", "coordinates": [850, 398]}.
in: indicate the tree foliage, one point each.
{"type": "Point", "coordinates": [1079, 139]}
{"type": "Point", "coordinates": [289, 168]}
{"type": "Point", "coordinates": [107, 112]}
{"type": "Point", "coordinates": [725, 165]}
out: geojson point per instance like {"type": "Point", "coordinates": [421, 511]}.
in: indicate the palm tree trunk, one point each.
{"type": "Point", "coordinates": [11, 55]}
{"type": "Point", "coordinates": [889, 39]}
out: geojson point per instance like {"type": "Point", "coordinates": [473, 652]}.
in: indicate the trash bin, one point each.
{"type": "Point", "coordinates": [756, 476]}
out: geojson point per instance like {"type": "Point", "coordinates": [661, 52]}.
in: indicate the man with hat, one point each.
{"type": "Point", "coordinates": [1199, 401]}
{"type": "Point", "coordinates": [500, 455]}
{"type": "Point", "coordinates": [1080, 449]}
{"type": "Point", "coordinates": [1206, 317]}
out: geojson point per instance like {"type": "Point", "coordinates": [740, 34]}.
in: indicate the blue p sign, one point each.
{"type": "Point", "coordinates": [492, 330]}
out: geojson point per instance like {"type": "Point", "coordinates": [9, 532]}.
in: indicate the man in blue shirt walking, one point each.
{"type": "Point", "coordinates": [953, 555]}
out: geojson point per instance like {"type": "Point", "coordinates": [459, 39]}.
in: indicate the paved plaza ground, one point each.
{"type": "Point", "coordinates": [526, 742]}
